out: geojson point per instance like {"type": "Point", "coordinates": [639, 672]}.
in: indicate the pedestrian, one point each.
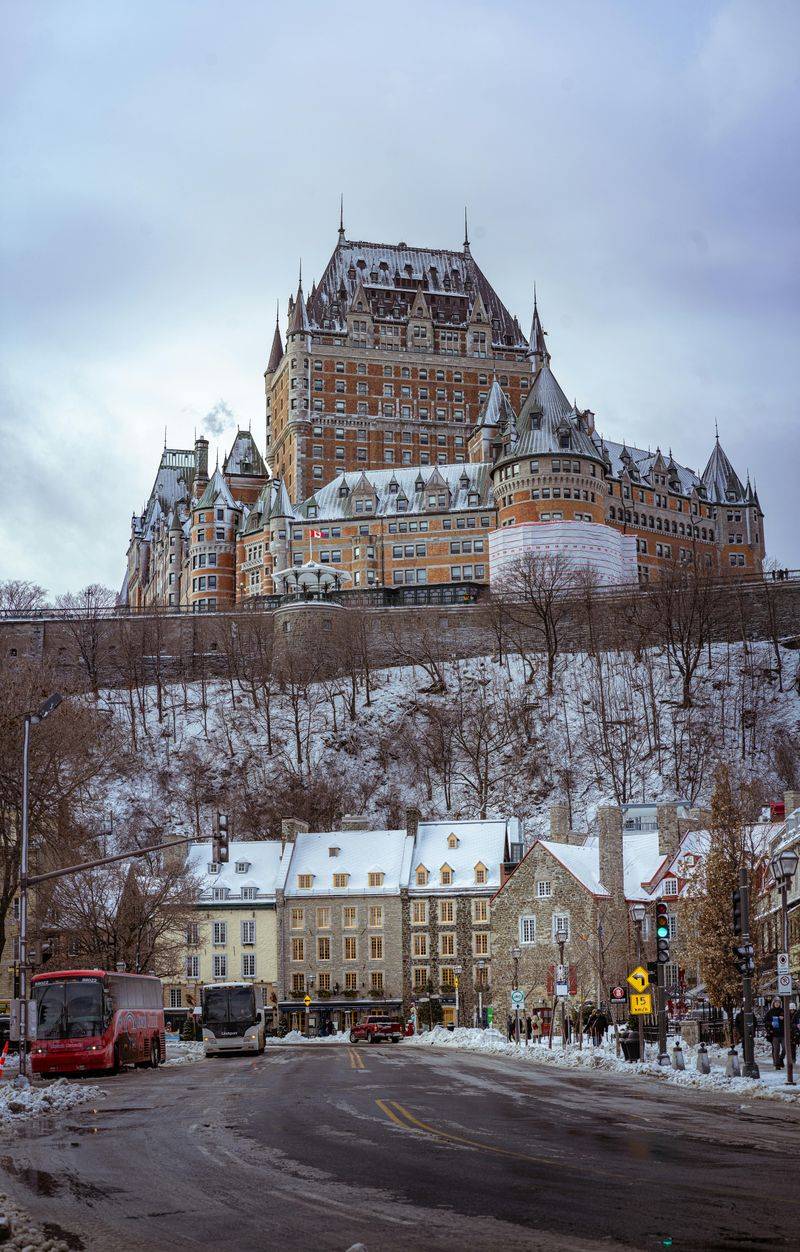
{"type": "Point", "coordinates": [511, 1024]}
{"type": "Point", "coordinates": [599, 1026]}
{"type": "Point", "coordinates": [536, 1027]}
{"type": "Point", "coordinates": [528, 1029]}
{"type": "Point", "coordinates": [773, 1025]}
{"type": "Point", "coordinates": [738, 1026]}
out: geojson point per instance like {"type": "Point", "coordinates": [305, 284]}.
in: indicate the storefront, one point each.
{"type": "Point", "coordinates": [329, 1017]}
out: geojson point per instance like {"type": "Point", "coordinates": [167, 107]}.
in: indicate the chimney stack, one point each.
{"type": "Point", "coordinates": [290, 828]}
{"type": "Point", "coordinates": [669, 831]}
{"type": "Point", "coordinates": [200, 466]}
{"type": "Point", "coordinates": [351, 822]}
{"type": "Point", "coordinates": [610, 848]}
{"type": "Point", "coordinates": [412, 821]}
{"type": "Point", "coordinates": [559, 823]}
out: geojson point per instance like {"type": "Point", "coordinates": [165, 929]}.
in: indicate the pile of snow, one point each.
{"type": "Point", "coordinates": [181, 1052]}
{"type": "Point", "coordinates": [771, 1084]}
{"type": "Point", "coordinates": [18, 1233]}
{"type": "Point", "coordinates": [294, 1036]}
{"type": "Point", "coordinates": [20, 1101]}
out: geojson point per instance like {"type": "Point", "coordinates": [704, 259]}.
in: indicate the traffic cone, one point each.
{"type": "Point", "coordinates": [3, 1056]}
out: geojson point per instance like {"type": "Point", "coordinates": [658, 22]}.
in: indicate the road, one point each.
{"type": "Point", "coordinates": [399, 1148]}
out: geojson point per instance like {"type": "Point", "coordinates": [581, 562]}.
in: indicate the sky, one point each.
{"type": "Point", "coordinates": [167, 164]}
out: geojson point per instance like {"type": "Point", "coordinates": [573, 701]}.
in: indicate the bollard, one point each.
{"type": "Point", "coordinates": [732, 1069]}
{"type": "Point", "coordinates": [677, 1056]}
{"type": "Point", "coordinates": [703, 1063]}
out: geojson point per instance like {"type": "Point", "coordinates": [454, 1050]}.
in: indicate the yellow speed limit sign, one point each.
{"type": "Point", "coordinates": [641, 1003]}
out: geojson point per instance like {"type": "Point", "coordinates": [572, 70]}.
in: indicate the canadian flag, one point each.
{"type": "Point", "coordinates": [316, 534]}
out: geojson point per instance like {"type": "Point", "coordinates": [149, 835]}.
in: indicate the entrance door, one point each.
{"type": "Point", "coordinates": [449, 1015]}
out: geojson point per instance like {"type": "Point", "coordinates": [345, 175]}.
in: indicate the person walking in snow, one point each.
{"type": "Point", "coordinates": [528, 1030]}
{"type": "Point", "coordinates": [773, 1025]}
{"type": "Point", "coordinates": [536, 1027]}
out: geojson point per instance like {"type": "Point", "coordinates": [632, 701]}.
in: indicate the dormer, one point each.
{"type": "Point", "coordinates": [333, 850]}
{"type": "Point", "coordinates": [481, 874]}
{"type": "Point", "coordinates": [452, 840]}
{"type": "Point", "coordinates": [422, 876]}
{"type": "Point", "coordinates": [375, 878]}
{"type": "Point", "coordinates": [243, 867]}
{"type": "Point", "coordinates": [419, 483]}
{"type": "Point", "coordinates": [305, 882]}
{"type": "Point", "coordinates": [446, 875]}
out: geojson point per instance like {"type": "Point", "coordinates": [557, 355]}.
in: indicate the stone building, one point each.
{"type": "Point", "coordinates": [407, 404]}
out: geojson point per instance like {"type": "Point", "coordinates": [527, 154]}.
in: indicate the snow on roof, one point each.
{"type": "Point", "coordinates": [582, 861]}
{"type": "Point", "coordinates": [406, 483]}
{"type": "Point", "coordinates": [641, 862]}
{"type": "Point", "coordinates": [244, 457]}
{"type": "Point", "coordinates": [479, 842]}
{"type": "Point", "coordinates": [644, 462]}
{"type": "Point", "coordinates": [360, 852]}
{"type": "Point", "coordinates": [265, 869]}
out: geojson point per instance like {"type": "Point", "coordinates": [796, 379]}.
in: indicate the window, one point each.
{"type": "Point", "coordinates": [419, 912]}
{"type": "Point", "coordinates": [527, 929]}
{"type": "Point", "coordinates": [349, 917]}
{"type": "Point", "coordinates": [446, 876]}
{"type": "Point", "coordinates": [481, 874]}
{"type": "Point", "coordinates": [220, 936]}
{"type": "Point", "coordinates": [220, 966]}
{"type": "Point", "coordinates": [350, 948]}
{"type": "Point", "coordinates": [672, 922]}
{"type": "Point", "coordinates": [480, 943]}
{"type": "Point", "coordinates": [375, 878]}
{"type": "Point", "coordinates": [419, 945]}
{"type": "Point", "coordinates": [323, 919]}
{"type": "Point", "coordinates": [376, 915]}
{"type": "Point", "coordinates": [242, 867]}
{"type": "Point", "coordinates": [249, 893]}
{"type": "Point", "coordinates": [248, 932]}
{"type": "Point", "coordinates": [420, 977]}
{"type": "Point", "coordinates": [341, 880]}
{"type": "Point", "coordinates": [446, 910]}
{"type": "Point", "coordinates": [324, 982]}
{"type": "Point", "coordinates": [376, 980]}
{"type": "Point", "coordinates": [193, 967]}
{"type": "Point", "coordinates": [248, 965]}
{"type": "Point", "coordinates": [543, 890]}
{"type": "Point", "coordinates": [447, 974]}
{"type": "Point", "coordinates": [192, 934]}
{"type": "Point", "coordinates": [298, 983]}
{"type": "Point", "coordinates": [298, 919]}
{"type": "Point", "coordinates": [480, 910]}
{"type": "Point", "coordinates": [447, 943]}
{"type": "Point", "coordinates": [376, 947]}
{"type": "Point", "coordinates": [219, 893]}
{"type": "Point", "coordinates": [560, 927]}
{"type": "Point", "coordinates": [422, 876]}
{"type": "Point", "coordinates": [323, 948]}
{"type": "Point", "coordinates": [298, 949]}
{"type": "Point", "coordinates": [670, 886]}
{"type": "Point", "coordinates": [304, 881]}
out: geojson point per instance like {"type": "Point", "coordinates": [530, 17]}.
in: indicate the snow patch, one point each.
{"type": "Point", "coordinates": [19, 1100]}
{"type": "Point", "coordinates": [294, 1036]}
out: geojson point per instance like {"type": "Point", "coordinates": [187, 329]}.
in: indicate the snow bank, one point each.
{"type": "Point", "coordinates": [180, 1052]}
{"type": "Point", "coordinates": [20, 1101]}
{"type": "Point", "coordinates": [294, 1036]}
{"type": "Point", "coordinates": [771, 1084]}
{"type": "Point", "coordinates": [18, 1233]}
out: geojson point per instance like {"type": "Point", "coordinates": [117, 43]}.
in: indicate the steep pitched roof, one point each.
{"type": "Point", "coordinates": [621, 455]}
{"type": "Point", "coordinates": [496, 409]}
{"type": "Point", "coordinates": [360, 852]}
{"type": "Point", "coordinates": [721, 481]}
{"type": "Point", "coordinates": [479, 842]}
{"type": "Point", "coordinates": [546, 415]}
{"type": "Point", "coordinates": [217, 489]}
{"type": "Point", "coordinates": [276, 351]}
{"type": "Point", "coordinates": [298, 322]}
{"type": "Point", "coordinates": [406, 483]}
{"type": "Point", "coordinates": [172, 483]}
{"type": "Point", "coordinates": [266, 872]}
{"type": "Point", "coordinates": [244, 458]}
{"type": "Point", "coordinates": [392, 274]}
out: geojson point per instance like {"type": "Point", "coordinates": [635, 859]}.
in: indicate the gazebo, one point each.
{"type": "Point", "coordinates": [311, 581]}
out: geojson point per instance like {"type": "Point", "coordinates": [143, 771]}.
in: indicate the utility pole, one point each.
{"type": "Point", "coordinates": [561, 941]}
{"type": "Point", "coordinates": [480, 966]}
{"type": "Point", "coordinates": [638, 912]}
{"type": "Point", "coordinates": [662, 956]}
{"type": "Point", "coordinates": [516, 953]}
{"type": "Point", "coordinates": [457, 979]}
{"type": "Point", "coordinates": [784, 867]}
{"type": "Point", "coordinates": [747, 968]}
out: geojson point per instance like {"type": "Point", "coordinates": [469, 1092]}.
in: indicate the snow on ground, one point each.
{"type": "Point", "coordinates": [19, 1100]}
{"type": "Point", "coordinates": [19, 1234]}
{"type": "Point", "coordinates": [771, 1084]}
{"type": "Point", "coordinates": [181, 1052]}
{"type": "Point", "coordinates": [294, 1036]}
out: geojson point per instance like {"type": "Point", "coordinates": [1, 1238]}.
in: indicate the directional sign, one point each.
{"type": "Point", "coordinates": [518, 999]}
{"type": "Point", "coordinates": [306, 1000]}
{"type": "Point", "coordinates": [783, 962]}
{"type": "Point", "coordinates": [639, 979]}
{"type": "Point", "coordinates": [562, 989]}
{"type": "Point", "coordinates": [618, 995]}
{"type": "Point", "coordinates": [784, 984]}
{"type": "Point", "coordinates": [641, 1003]}
{"type": "Point", "coordinates": [490, 1015]}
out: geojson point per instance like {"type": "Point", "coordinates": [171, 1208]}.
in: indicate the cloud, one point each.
{"type": "Point", "coordinates": [218, 419]}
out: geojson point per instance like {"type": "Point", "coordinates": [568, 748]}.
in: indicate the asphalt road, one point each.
{"type": "Point", "coordinates": [394, 1148]}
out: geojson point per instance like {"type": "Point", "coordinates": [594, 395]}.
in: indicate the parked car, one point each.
{"type": "Point", "coordinates": [378, 1030]}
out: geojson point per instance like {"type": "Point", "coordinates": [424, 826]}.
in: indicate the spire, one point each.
{"type": "Point", "coordinates": [276, 351]}
{"type": "Point", "coordinates": [298, 323]}
{"type": "Point", "coordinates": [537, 348]}
{"type": "Point", "coordinates": [466, 232]}
{"type": "Point", "coordinates": [716, 429]}
{"type": "Point", "coordinates": [341, 218]}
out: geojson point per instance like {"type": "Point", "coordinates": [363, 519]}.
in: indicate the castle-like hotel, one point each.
{"type": "Point", "coordinates": [414, 436]}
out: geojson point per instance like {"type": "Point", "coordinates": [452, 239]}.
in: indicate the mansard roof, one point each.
{"type": "Point", "coordinates": [410, 483]}
{"type": "Point", "coordinates": [273, 502]}
{"type": "Point", "coordinates": [496, 409]}
{"type": "Point", "coordinates": [173, 483]}
{"type": "Point", "coordinates": [393, 274]}
{"type": "Point", "coordinates": [621, 455]}
{"type": "Point", "coordinates": [244, 458]}
{"type": "Point", "coordinates": [722, 483]}
{"type": "Point", "coordinates": [546, 415]}
{"type": "Point", "coordinates": [217, 489]}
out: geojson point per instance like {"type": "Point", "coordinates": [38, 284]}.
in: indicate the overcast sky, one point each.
{"type": "Point", "coordinates": [166, 164]}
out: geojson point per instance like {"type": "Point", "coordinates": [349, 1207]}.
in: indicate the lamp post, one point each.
{"type": "Point", "coordinates": [561, 939]}
{"type": "Point", "coordinates": [309, 989]}
{"type": "Point", "coordinates": [480, 966]}
{"type": "Point", "coordinates": [516, 953]}
{"type": "Point", "coordinates": [31, 719]}
{"type": "Point", "coordinates": [457, 969]}
{"type": "Point", "coordinates": [784, 868]}
{"type": "Point", "coordinates": [638, 913]}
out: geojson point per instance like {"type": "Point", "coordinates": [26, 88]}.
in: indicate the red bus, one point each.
{"type": "Point", "coordinates": [88, 1019]}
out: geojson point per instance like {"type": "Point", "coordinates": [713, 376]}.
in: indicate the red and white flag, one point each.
{"type": "Point", "coordinates": [316, 534]}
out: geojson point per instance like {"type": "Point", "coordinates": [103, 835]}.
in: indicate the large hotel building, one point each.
{"type": "Point", "coordinates": [415, 437]}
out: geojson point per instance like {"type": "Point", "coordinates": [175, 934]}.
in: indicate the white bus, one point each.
{"type": "Point", "coordinates": [231, 1020]}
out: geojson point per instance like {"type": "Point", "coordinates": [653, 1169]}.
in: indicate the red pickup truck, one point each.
{"type": "Point", "coordinates": [377, 1030]}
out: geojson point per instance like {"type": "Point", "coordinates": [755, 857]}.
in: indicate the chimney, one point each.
{"type": "Point", "coordinates": [610, 848]}
{"type": "Point", "coordinates": [200, 465]}
{"type": "Point", "coordinates": [669, 831]}
{"type": "Point", "coordinates": [791, 801]}
{"type": "Point", "coordinates": [351, 822]}
{"type": "Point", "coordinates": [559, 823]}
{"type": "Point", "coordinates": [412, 821]}
{"type": "Point", "coordinates": [290, 827]}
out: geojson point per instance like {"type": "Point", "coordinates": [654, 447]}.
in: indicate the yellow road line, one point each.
{"type": "Point", "coordinates": [413, 1123]}
{"type": "Point", "coordinates": [356, 1061]}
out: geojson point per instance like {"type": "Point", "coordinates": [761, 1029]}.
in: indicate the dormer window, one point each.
{"type": "Point", "coordinates": [311, 511]}
{"type": "Point", "coordinates": [422, 876]}
{"type": "Point", "coordinates": [481, 873]}
{"type": "Point", "coordinates": [452, 841]}
{"type": "Point", "coordinates": [242, 867]}
{"type": "Point", "coordinates": [670, 886]}
{"type": "Point", "coordinates": [344, 491]}
{"type": "Point", "coordinates": [564, 441]}
{"type": "Point", "coordinates": [333, 851]}
{"type": "Point", "coordinates": [219, 893]}
{"type": "Point", "coordinates": [375, 878]}
{"type": "Point", "coordinates": [213, 867]}
{"type": "Point", "coordinates": [341, 880]}
{"type": "Point", "coordinates": [249, 893]}
{"type": "Point", "coordinates": [305, 881]}
{"type": "Point", "coordinates": [536, 422]}
{"type": "Point", "coordinates": [446, 876]}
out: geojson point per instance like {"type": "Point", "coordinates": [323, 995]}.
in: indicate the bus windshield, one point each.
{"type": "Point", "coordinates": [223, 1005]}
{"type": "Point", "coordinates": [69, 1008]}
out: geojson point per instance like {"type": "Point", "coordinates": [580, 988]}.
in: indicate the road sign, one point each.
{"type": "Point", "coordinates": [784, 984]}
{"type": "Point", "coordinates": [518, 999]}
{"type": "Point", "coordinates": [562, 989]}
{"type": "Point", "coordinates": [618, 995]}
{"type": "Point", "coordinates": [783, 962]}
{"type": "Point", "coordinates": [641, 1003]}
{"type": "Point", "coordinates": [490, 1015]}
{"type": "Point", "coordinates": [639, 979]}
{"type": "Point", "coordinates": [306, 1000]}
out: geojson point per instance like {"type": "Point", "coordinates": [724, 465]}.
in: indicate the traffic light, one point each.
{"type": "Point", "coordinates": [220, 838]}
{"type": "Point", "coordinates": [745, 958]}
{"type": "Point", "coordinates": [46, 951]}
{"type": "Point", "coordinates": [736, 896]}
{"type": "Point", "coordinates": [662, 932]}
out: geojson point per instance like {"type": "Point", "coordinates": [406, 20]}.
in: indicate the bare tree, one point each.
{"type": "Point", "coordinates": [536, 588]}
{"type": "Point", "coordinates": [19, 596]}
{"type": "Point", "coordinates": [84, 621]}
{"type": "Point", "coordinates": [685, 610]}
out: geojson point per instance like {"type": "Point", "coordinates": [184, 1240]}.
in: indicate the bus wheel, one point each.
{"type": "Point", "coordinates": [116, 1068]}
{"type": "Point", "coordinates": [155, 1054]}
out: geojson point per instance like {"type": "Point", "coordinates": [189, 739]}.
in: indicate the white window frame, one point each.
{"type": "Point", "coordinates": [544, 889]}
{"type": "Point", "coordinates": [248, 932]}
{"type": "Point", "coordinates": [558, 931]}
{"type": "Point", "coordinates": [527, 930]}
{"type": "Point", "coordinates": [220, 934]}
{"type": "Point", "coordinates": [219, 965]}
{"type": "Point", "coordinates": [248, 965]}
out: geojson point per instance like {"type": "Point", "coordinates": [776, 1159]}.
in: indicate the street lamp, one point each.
{"type": "Point", "coordinates": [516, 953]}
{"type": "Point", "coordinates": [31, 719]}
{"type": "Point", "coordinates": [480, 966]}
{"type": "Point", "coordinates": [784, 868]}
{"type": "Point", "coordinates": [457, 972]}
{"type": "Point", "coordinates": [638, 913]}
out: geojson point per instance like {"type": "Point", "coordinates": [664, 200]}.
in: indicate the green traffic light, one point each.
{"type": "Point", "coordinates": [663, 932]}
